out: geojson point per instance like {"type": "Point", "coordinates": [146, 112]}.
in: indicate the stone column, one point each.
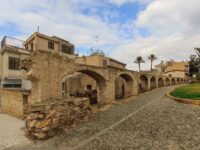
{"type": "Point", "coordinates": [157, 82]}
{"type": "Point", "coordinates": [106, 93]}
{"type": "Point", "coordinates": [149, 83]}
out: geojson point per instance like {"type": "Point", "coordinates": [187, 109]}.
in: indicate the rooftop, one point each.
{"type": "Point", "coordinates": [13, 42]}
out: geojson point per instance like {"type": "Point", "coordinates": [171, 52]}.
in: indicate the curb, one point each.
{"type": "Point", "coordinates": [182, 100]}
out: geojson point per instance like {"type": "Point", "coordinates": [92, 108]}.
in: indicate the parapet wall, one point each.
{"type": "Point", "coordinates": [12, 102]}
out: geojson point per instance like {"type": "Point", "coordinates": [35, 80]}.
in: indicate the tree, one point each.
{"type": "Point", "coordinates": [197, 52]}
{"type": "Point", "coordinates": [193, 69]}
{"type": "Point", "coordinates": [97, 52]}
{"type": "Point", "coordinates": [152, 57]}
{"type": "Point", "coordinates": [138, 61]}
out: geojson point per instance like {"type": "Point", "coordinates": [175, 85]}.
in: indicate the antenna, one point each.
{"type": "Point", "coordinates": [38, 28]}
{"type": "Point", "coordinates": [97, 42]}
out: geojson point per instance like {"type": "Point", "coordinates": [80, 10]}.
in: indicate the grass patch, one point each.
{"type": "Point", "coordinates": [190, 91]}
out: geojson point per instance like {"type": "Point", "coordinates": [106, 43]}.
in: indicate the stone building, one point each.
{"type": "Point", "coordinates": [174, 69]}
{"type": "Point", "coordinates": [100, 61]}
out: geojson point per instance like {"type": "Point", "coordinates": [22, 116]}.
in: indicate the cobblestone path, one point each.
{"type": "Point", "coordinates": [149, 122]}
{"type": "Point", "coordinates": [11, 131]}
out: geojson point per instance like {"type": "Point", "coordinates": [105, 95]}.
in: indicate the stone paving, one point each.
{"type": "Point", "coordinates": [11, 131]}
{"type": "Point", "coordinates": [149, 122]}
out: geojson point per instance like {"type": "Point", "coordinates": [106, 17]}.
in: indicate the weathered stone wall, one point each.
{"type": "Point", "coordinates": [12, 102]}
{"type": "Point", "coordinates": [46, 118]}
{"type": "Point", "coordinates": [46, 71]}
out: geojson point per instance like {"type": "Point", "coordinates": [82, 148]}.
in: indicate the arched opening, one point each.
{"type": "Point", "coordinates": [167, 82]}
{"type": "Point", "coordinates": [161, 82]}
{"type": "Point", "coordinates": [143, 86]}
{"type": "Point", "coordinates": [123, 86]}
{"type": "Point", "coordinates": [178, 81]}
{"type": "Point", "coordinates": [84, 83]}
{"type": "Point", "coordinates": [153, 83]}
{"type": "Point", "coordinates": [173, 82]}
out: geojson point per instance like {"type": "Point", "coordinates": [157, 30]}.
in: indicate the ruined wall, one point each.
{"type": "Point", "coordinates": [46, 118]}
{"type": "Point", "coordinates": [13, 101]}
{"type": "Point", "coordinates": [46, 71]}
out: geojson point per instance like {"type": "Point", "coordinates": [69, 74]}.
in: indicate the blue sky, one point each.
{"type": "Point", "coordinates": [126, 28]}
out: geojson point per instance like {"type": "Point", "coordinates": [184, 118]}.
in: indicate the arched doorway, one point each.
{"type": "Point", "coordinates": [84, 83]}
{"type": "Point", "coordinates": [123, 86]}
{"type": "Point", "coordinates": [178, 81]}
{"type": "Point", "coordinates": [153, 83]}
{"type": "Point", "coordinates": [143, 86]}
{"type": "Point", "coordinates": [167, 82]}
{"type": "Point", "coordinates": [160, 82]}
{"type": "Point", "coordinates": [182, 80]}
{"type": "Point", "coordinates": [173, 82]}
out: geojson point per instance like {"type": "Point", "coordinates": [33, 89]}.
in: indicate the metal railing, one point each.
{"type": "Point", "coordinates": [10, 41]}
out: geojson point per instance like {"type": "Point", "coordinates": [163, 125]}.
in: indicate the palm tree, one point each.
{"type": "Point", "coordinates": [138, 61]}
{"type": "Point", "coordinates": [152, 57]}
{"type": "Point", "coordinates": [197, 51]}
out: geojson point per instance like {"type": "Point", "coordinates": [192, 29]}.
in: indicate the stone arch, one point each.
{"type": "Point", "coordinates": [99, 93]}
{"type": "Point", "coordinates": [160, 82]}
{"type": "Point", "coordinates": [143, 86]}
{"type": "Point", "coordinates": [153, 83]}
{"type": "Point", "coordinates": [167, 82]}
{"type": "Point", "coordinates": [173, 81]}
{"type": "Point", "coordinates": [124, 84]}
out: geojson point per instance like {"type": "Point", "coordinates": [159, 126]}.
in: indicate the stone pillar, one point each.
{"type": "Point", "coordinates": [135, 87]}
{"type": "Point", "coordinates": [165, 84]}
{"type": "Point", "coordinates": [107, 93]}
{"type": "Point", "coordinates": [149, 83]}
{"type": "Point", "coordinates": [157, 82]}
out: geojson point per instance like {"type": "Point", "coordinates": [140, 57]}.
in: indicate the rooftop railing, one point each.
{"type": "Point", "coordinates": [10, 41]}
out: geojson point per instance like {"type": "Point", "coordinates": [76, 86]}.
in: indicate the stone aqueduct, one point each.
{"type": "Point", "coordinates": [47, 72]}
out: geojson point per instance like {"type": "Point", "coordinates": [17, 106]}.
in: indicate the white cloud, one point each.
{"type": "Point", "coordinates": [174, 32]}
{"type": "Point", "coordinates": [177, 47]}
{"type": "Point", "coordinates": [173, 26]}
{"type": "Point", "coordinates": [171, 16]}
{"type": "Point", "coordinates": [59, 18]}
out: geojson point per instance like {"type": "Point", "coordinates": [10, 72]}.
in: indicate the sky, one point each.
{"type": "Point", "coordinates": [123, 29]}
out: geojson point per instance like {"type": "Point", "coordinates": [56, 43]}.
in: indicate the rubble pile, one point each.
{"type": "Point", "coordinates": [48, 118]}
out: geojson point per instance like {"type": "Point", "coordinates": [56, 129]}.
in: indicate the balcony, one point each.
{"type": "Point", "coordinates": [12, 42]}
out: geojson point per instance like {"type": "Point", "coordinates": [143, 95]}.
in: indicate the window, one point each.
{"type": "Point", "coordinates": [89, 87]}
{"type": "Point", "coordinates": [25, 99]}
{"type": "Point", "coordinates": [12, 85]}
{"type": "Point", "coordinates": [63, 89]}
{"type": "Point", "coordinates": [66, 49]}
{"type": "Point", "coordinates": [14, 63]}
{"type": "Point", "coordinates": [32, 46]}
{"type": "Point", "coordinates": [50, 45]}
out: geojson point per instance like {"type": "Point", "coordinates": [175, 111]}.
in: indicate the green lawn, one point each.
{"type": "Point", "coordinates": [190, 91]}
